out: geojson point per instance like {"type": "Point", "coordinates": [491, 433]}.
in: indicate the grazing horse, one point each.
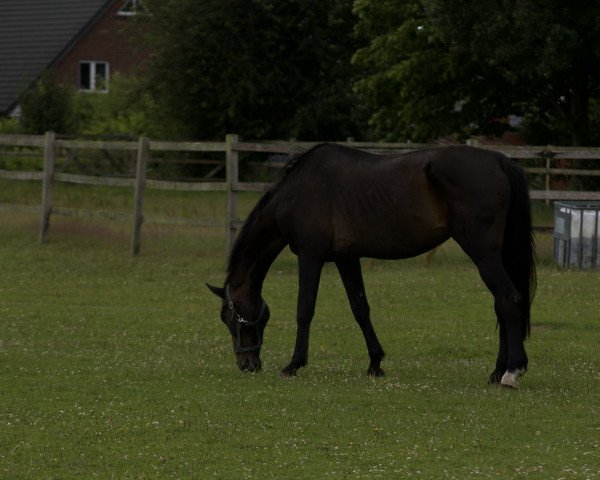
{"type": "Point", "coordinates": [338, 204]}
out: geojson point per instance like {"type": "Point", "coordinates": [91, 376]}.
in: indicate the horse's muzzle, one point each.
{"type": "Point", "coordinates": [249, 363]}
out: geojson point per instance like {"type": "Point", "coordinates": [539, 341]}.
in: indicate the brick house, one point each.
{"type": "Point", "coordinates": [84, 42]}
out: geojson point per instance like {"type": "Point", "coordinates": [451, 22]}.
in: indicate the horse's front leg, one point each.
{"type": "Point", "coordinates": [351, 274]}
{"type": "Point", "coordinates": [309, 271]}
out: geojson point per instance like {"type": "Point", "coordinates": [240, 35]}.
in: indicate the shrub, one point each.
{"type": "Point", "coordinates": [47, 106]}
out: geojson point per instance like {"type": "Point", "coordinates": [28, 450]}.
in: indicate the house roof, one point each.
{"type": "Point", "coordinates": [34, 34]}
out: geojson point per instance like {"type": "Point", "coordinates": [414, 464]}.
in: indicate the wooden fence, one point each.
{"type": "Point", "coordinates": [231, 148]}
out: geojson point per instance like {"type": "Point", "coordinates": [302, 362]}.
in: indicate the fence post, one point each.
{"type": "Point", "coordinates": [231, 185]}
{"type": "Point", "coordinates": [140, 184]}
{"type": "Point", "coordinates": [548, 180]}
{"type": "Point", "coordinates": [47, 180]}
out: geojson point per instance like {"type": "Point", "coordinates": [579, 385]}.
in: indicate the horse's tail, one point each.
{"type": "Point", "coordinates": [518, 252]}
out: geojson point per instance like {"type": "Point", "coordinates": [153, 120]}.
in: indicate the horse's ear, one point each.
{"type": "Point", "coordinates": [219, 292]}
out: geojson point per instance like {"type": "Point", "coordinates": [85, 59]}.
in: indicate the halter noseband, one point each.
{"type": "Point", "coordinates": [239, 321]}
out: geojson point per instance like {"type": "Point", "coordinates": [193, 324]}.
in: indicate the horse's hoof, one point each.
{"type": "Point", "coordinates": [509, 379]}
{"type": "Point", "coordinates": [375, 372]}
{"type": "Point", "coordinates": [495, 377]}
{"type": "Point", "coordinates": [288, 372]}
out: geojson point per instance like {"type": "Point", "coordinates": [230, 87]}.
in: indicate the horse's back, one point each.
{"type": "Point", "coordinates": [344, 201]}
{"type": "Point", "coordinates": [351, 202]}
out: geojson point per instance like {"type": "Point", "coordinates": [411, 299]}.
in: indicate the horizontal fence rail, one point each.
{"type": "Point", "coordinates": [45, 147]}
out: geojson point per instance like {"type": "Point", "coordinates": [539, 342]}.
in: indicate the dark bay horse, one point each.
{"type": "Point", "coordinates": [338, 204]}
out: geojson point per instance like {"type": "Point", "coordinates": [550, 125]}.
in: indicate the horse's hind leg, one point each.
{"type": "Point", "coordinates": [353, 283]}
{"type": "Point", "coordinates": [502, 360]}
{"type": "Point", "coordinates": [309, 272]}
{"type": "Point", "coordinates": [507, 304]}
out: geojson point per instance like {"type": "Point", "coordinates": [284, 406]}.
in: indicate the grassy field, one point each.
{"type": "Point", "coordinates": [114, 367]}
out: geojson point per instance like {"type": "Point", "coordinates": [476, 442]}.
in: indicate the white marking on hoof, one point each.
{"type": "Point", "coordinates": [509, 379]}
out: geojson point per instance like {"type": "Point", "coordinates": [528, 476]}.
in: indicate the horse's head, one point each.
{"type": "Point", "coordinates": [246, 323]}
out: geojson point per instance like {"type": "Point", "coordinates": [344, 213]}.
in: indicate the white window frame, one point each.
{"type": "Point", "coordinates": [131, 8]}
{"type": "Point", "coordinates": [93, 76]}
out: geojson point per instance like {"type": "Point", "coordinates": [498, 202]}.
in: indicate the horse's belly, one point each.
{"type": "Point", "coordinates": [391, 240]}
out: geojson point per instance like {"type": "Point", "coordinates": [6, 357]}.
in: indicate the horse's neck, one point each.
{"type": "Point", "coordinates": [252, 260]}
{"type": "Point", "coordinates": [242, 277]}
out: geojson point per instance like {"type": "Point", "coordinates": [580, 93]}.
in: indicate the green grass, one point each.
{"type": "Point", "coordinates": [114, 367]}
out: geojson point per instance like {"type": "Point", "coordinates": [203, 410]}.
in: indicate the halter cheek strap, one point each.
{"type": "Point", "coordinates": [239, 321]}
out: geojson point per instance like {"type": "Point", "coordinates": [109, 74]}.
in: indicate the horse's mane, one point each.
{"type": "Point", "coordinates": [290, 165]}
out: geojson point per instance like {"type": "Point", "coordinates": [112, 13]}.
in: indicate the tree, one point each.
{"type": "Point", "coordinates": [47, 106]}
{"type": "Point", "coordinates": [461, 66]}
{"type": "Point", "coordinates": [261, 68]}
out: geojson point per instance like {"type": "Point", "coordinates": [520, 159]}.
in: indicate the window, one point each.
{"type": "Point", "coordinates": [132, 7]}
{"type": "Point", "coordinates": [93, 76]}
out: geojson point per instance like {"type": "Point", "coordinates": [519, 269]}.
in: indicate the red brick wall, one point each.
{"type": "Point", "coordinates": [115, 39]}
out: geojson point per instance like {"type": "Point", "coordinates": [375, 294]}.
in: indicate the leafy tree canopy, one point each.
{"type": "Point", "coordinates": [436, 67]}
{"type": "Point", "coordinates": [261, 68]}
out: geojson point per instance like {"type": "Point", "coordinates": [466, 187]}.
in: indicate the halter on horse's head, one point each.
{"type": "Point", "coordinates": [246, 332]}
